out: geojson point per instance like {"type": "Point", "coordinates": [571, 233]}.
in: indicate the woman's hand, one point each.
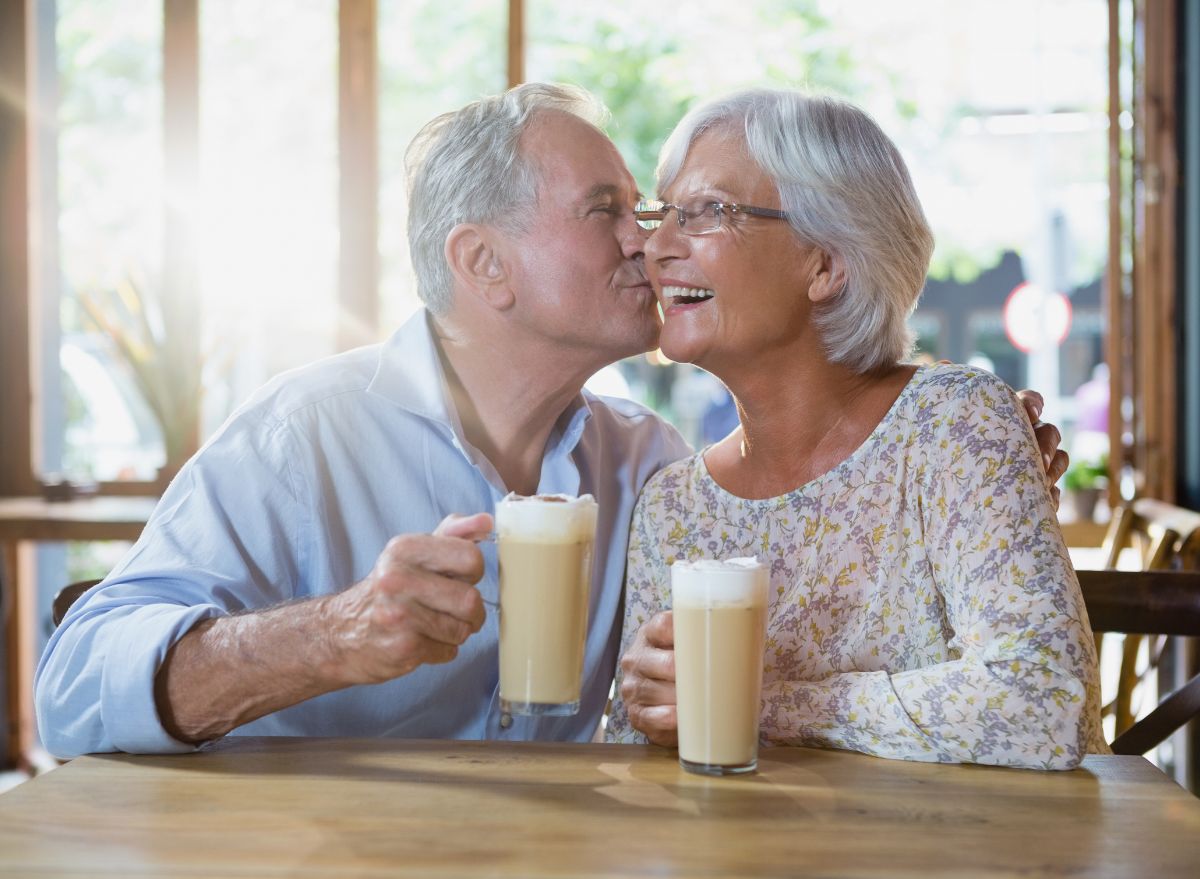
{"type": "Point", "coordinates": [648, 681]}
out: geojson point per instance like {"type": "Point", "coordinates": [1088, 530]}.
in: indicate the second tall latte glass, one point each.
{"type": "Point", "coordinates": [545, 551]}
{"type": "Point", "coordinates": [720, 615]}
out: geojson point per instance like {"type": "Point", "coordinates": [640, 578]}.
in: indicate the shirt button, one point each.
{"type": "Point", "coordinates": [505, 720]}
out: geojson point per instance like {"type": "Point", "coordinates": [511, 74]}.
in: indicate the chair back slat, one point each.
{"type": "Point", "coordinates": [1171, 714]}
{"type": "Point", "coordinates": [1167, 537]}
{"type": "Point", "coordinates": [1143, 602]}
{"type": "Point", "coordinates": [1154, 602]}
{"type": "Point", "coordinates": [1163, 516]}
{"type": "Point", "coordinates": [67, 596]}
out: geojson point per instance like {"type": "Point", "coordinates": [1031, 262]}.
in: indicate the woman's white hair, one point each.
{"type": "Point", "coordinates": [846, 190]}
{"type": "Point", "coordinates": [466, 167]}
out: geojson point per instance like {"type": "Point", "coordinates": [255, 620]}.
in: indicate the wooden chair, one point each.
{"type": "Point", "coordinates": [1168, 537]}
{"type": "Point", "coordinates": [66, 597]}
{"type": "Point", "coordinates": [1148, 603]}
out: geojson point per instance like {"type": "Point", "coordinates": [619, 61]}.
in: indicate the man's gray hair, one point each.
{"type": "Point", "coordinates": [846, 190]}
{"type": "Point", "coordinates": [466, 167]}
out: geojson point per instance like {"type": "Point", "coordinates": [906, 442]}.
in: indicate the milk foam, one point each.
{"type": "Point", "coordinates": [554, 518]}
{"type": "Point", "coordinates": [711, 583]}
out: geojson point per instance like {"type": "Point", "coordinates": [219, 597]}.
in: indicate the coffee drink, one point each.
{"type": "Point", "coordinates": [720, 614]}
{"type": "Point", "coordinates": [545, 551]}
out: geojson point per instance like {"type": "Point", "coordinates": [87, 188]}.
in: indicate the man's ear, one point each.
{"type": "Point", "coordinates": [476, 264]}
{"type": "Point", "coordinates": [829, 279]}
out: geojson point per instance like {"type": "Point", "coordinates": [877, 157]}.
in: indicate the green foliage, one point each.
{"type": "Point", "coordinates": [953, 262]}
{"type": "Point", "coordinates": [147, 339]}
{"type": "Point", "coordinates": [651, 74]}
{"type": "Point", "coordinates": [1083, 475]}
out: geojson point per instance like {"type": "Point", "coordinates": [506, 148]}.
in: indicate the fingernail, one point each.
{"type": "Point", "coordinates": [1046, 461]}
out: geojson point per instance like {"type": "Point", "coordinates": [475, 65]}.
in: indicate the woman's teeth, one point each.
{"type": "Point", "coordinates": [686, 295]}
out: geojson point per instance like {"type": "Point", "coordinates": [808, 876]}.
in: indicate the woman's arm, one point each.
{"type": "Point", "coordinates": [645, 684]}
{"type": "Point", "coordinates": [1022, 688]}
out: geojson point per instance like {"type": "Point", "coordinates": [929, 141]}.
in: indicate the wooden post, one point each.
{"type": "Point", "coordinates": [1115, 281]}
{"type": "Point", "coordinates": [16, 313]}
{"type": "Point", "coordinates": [516, 42]}
{"type": "Point", "coordinates": [16, 325]}
{"type": "Point", "coordinates": [1156, 183]}
{"type": "Point", "coordinates": [181, 164]}
{"type": "Point", "coordinates": [358, 167]}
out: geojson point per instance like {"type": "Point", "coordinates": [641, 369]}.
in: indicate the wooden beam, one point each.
{"type": "Point", "coordinates": [1115, 337]}
{"type": "Point", "coordinates": [16, 313]}
{"type": "Point", "coordinates": [358, 169]}
{"type": "Point", "coordinates": [1156, 182]}
{"type": "Point", "coordinates": [1146, 602]}
{"type": "Point", "coordinates": [516, 42]}
{"type": "Point", "coordinates": [181, 165]}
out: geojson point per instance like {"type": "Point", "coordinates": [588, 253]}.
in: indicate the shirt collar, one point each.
{"type": "Point", "coordinates": [410, 375]}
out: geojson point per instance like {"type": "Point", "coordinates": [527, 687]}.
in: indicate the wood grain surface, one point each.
{"type": "Point", "coordinates": [347, 808]}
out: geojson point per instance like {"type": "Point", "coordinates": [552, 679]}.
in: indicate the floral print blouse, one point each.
{"type": "Point", "coordinates": [923, 605]}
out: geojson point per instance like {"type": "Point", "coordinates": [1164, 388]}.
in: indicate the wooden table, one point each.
{"type": "Point", "coordinates": [346, 808]}
{"type": "Point", "coordinates": [23, 521]}
{"type": "Point", "coordinates": [92, 518]}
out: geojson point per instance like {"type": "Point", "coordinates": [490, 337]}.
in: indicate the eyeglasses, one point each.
{"type": "Point", "coordinates": [697, 219]}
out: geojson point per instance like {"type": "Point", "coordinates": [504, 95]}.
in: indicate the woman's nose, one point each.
{"type": "Point", "coordinates": [666, 242]}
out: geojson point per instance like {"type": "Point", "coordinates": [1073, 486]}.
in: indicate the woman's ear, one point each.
{"type": "Point", "coordinates": [829, 278]}
{"type": "Point", "coordinates": [475, 261]}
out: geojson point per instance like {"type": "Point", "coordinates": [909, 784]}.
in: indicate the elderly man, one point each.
{"type": "Point", "coordinates": [270, 594]}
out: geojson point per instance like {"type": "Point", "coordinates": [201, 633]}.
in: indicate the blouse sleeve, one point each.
{"type": "Point", "coordinates": [647, 591]}
{"type": "Point", "coordinates": [1021, 686]}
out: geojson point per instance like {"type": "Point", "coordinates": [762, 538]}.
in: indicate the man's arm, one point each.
{"type": "Point", "coordinates": [1054, 460]}
{"type": "Point", "coordinates": [416, 606]}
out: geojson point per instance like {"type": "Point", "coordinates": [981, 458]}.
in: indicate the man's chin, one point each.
{"type": "Point", "coordinates": [651, 335]}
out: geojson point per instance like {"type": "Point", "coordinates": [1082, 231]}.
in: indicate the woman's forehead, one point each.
{"type": "Point", "coordinates": [718, 163]}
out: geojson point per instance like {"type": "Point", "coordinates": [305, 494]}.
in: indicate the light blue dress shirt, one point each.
{"type": "Point", "coordinates": [296, 496]}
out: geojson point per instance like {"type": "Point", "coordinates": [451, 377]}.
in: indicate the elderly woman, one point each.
{"type": "Point", "coordinates": [923, 605]}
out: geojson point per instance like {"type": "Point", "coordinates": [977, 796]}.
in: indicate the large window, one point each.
{"type": "Point", "coordinates": [1000, 111]}
{"type": "Point", "coordinates": [267, 231]}
{"type": "Point", "coordinates": [101, 227]}
{"type": "Point", "coordinates": [433, 57]}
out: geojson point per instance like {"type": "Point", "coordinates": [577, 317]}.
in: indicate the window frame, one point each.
{"type": "Point", "coordinates": [1141, 296]}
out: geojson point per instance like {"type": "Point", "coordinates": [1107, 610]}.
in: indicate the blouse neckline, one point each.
{"type": "Point", "coordinates": [816, 482]}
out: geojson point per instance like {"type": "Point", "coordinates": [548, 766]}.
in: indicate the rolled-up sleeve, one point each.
{"type": "Point", "coordinates": [224, 538]}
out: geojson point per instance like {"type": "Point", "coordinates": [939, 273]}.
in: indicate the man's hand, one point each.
{"type": "Point", "coordinates": [1054, 459]}
{"type": "Point", "coordinates": [648, 681]}
{"type": "Point", "coordinates": [417, 606]}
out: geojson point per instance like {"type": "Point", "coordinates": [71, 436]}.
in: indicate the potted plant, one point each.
{"type": "Point", "coordinates": [153, 341]}
{"type": "Point", "coordinates": [1083, 482]}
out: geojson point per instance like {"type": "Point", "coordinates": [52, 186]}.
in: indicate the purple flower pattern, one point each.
{"type": "Point", "coordinates": [923, 605]}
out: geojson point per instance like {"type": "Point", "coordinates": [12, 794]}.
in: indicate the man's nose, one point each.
{"type": "Point", "coordinates": [633, 239]}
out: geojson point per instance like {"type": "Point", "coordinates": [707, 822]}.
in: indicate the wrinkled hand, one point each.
{"type": "Point", "coordinates": [648, 681]}
{"type": "Point", "coordinates": [417, 606]}
{"type": "Point", "coordinates": [1054, 459]}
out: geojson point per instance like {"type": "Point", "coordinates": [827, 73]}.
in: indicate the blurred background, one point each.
{"type": "Point", "coordinates": [199, 194]}
{"type": "Point", "coordinates": [1000, 109]}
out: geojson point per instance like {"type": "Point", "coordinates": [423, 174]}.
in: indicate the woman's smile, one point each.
{"type": "Point", "coordinates": [677, 297]}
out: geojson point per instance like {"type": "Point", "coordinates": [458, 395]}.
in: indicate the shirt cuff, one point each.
{"type": "Point", "coordinates": [128, 709]}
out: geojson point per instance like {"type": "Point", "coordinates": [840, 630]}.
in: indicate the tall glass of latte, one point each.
{"type": "Point", "coordinates": [545, 551]}
{"type": "Point", "coordinates": [720, 617]}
